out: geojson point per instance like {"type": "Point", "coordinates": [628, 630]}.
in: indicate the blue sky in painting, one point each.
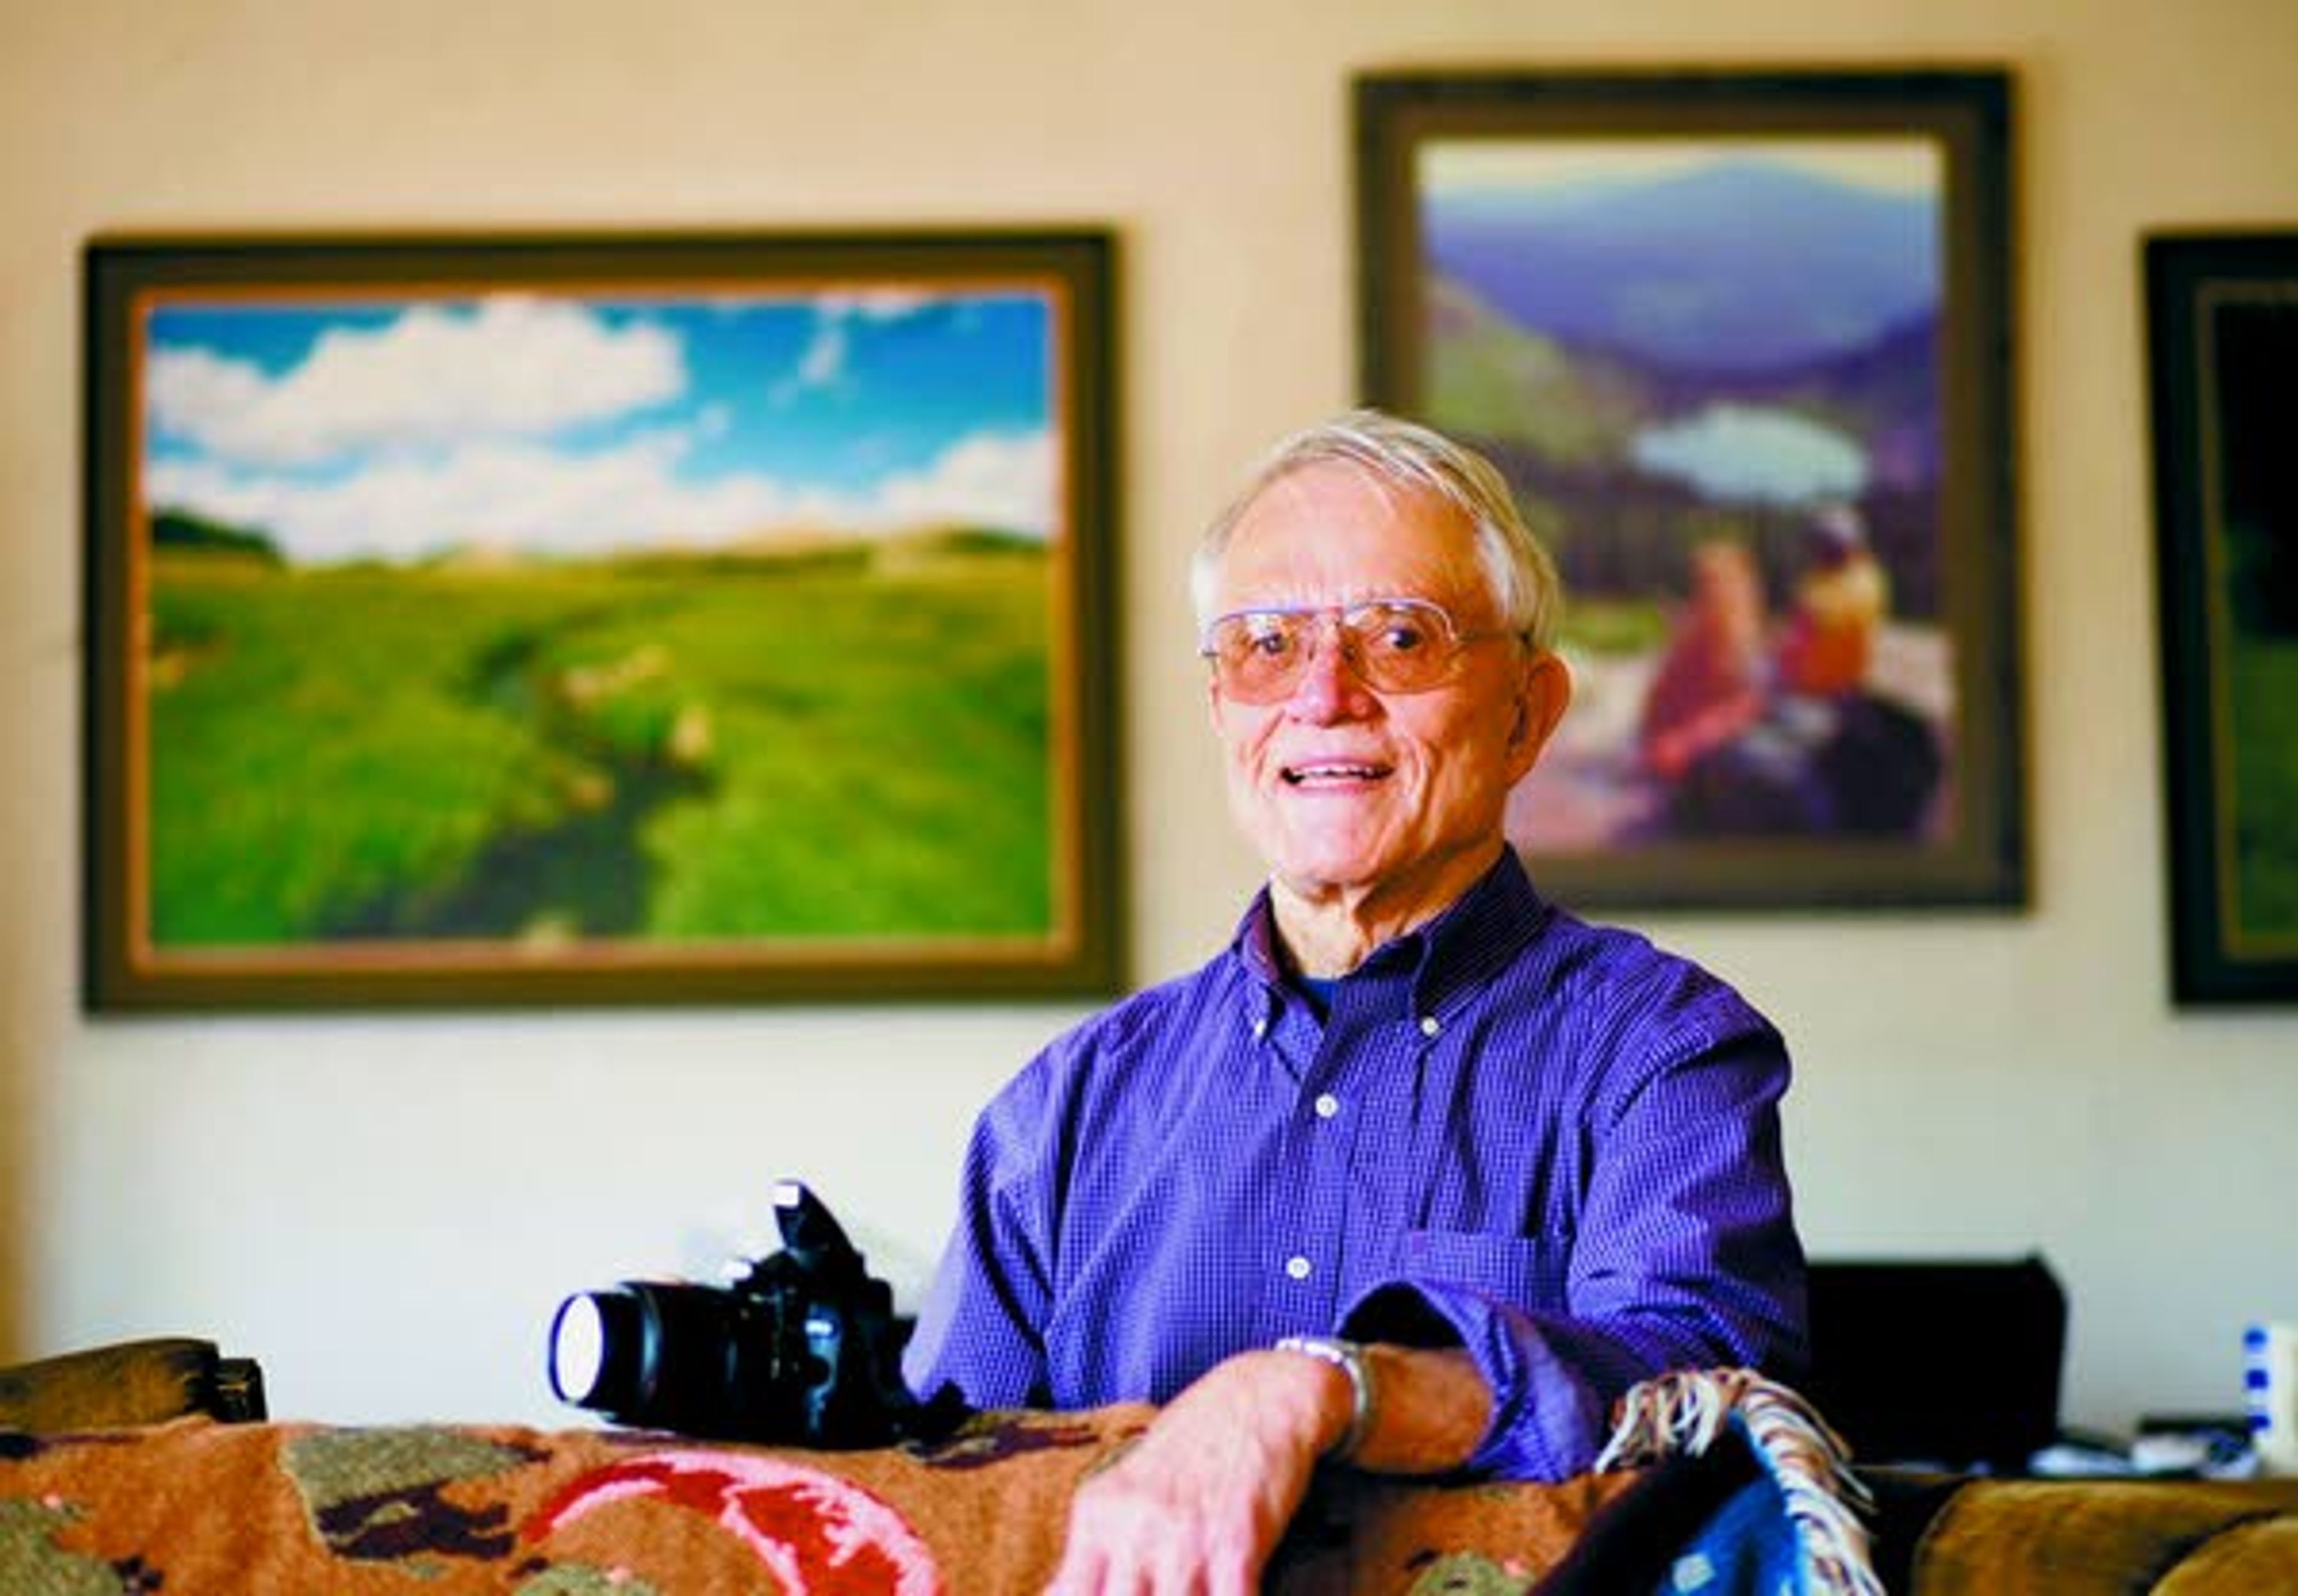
{"type": "Point", "coordinates": [574, 424]}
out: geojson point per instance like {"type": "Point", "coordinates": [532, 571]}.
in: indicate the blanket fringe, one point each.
{"type": "Point", "coordinates": [1688, 1411]}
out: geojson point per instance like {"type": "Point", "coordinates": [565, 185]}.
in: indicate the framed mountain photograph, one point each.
{"type": "Point", "coordinates": [589, 618]}
{"type": "Point", "coordinates": [1739, 343]}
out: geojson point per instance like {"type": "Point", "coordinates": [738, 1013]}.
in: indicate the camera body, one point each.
{"type": "Point", "coordinates": [802, 1349]}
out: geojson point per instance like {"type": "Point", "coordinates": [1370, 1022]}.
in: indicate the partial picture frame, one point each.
{"type": "Point", "coordinates": [2221, 312]}
{"type": "Point", "coordinates": [1741, 343]}
{"type": "Point", "coordinates": [575, 618]}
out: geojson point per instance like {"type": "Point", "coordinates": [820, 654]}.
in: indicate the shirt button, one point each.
{"type": "Point", "coordinates": [1297, 1267]}
{"type": "Point", "coordinates": [1327, 1105]}
{"type": "Point", "coordinates": [1259, 1027]}
{"type": "Point", "coordinates": [1430, 1025]}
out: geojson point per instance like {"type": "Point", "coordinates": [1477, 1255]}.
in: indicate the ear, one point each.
{"type": "Point", "coordinates": [1544, 693]}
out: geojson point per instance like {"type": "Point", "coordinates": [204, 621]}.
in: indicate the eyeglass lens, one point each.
{"type": "Point", "coordinates": [1395, 646]}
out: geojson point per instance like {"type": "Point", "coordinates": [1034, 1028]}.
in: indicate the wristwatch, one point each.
{"type": "Point", "coordinates": [1348, 1357]}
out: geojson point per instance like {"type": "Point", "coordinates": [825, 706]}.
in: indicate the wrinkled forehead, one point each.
{"type": "Point", "coordinates": [1335, 532]}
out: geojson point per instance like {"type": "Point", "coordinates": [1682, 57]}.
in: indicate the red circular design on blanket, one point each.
{"type": "Point", "coordinates": [817, 1535]}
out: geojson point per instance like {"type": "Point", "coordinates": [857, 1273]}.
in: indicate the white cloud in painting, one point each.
{"type": "Point", "coordinates": [823, 365]}
{"type": "Point", "coordinates": [823, 362]}
{"type": "Point", "coordinates": [515, 367]}
{"type": "Point", "coordinates": [518, 495]}
{"type": "Point", "coordinates": [1751, 454]}
{"type": "Point", "coordinates": [872, 304]}
{"type": "Point", "coordinates": [1006, 481]}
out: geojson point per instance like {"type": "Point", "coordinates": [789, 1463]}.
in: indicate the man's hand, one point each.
{"type": "Point", "coordinates": [1198, 1503]}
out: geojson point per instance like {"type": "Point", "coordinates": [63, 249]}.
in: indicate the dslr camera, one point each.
{"type": "Point", "coordinates": [801, 1348]}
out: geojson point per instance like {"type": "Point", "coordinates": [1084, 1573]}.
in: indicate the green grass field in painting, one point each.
{"type": "Point", "coordinates": [843, 745]}
{"type": "Point", "coordinates": [2264, 705]}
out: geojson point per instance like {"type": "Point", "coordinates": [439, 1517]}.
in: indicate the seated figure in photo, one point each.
{"type": "Point", "coordinates": [1800, 740]}
{"type": "Point", "coordinates": [1711, 680]}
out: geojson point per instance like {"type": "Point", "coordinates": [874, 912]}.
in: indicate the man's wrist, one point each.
{"type": "Point", "coordinates": [1351, 1359]}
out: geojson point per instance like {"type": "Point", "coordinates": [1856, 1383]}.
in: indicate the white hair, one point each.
{"type": "Point", "coordinates": [1525, 586]}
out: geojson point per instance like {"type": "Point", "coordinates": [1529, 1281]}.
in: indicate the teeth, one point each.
{"type": "Point", "coordinates": [1306, 773]}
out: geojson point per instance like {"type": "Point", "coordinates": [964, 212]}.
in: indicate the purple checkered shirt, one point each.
{"type": "Point", "coordinates": [1544, 1141]}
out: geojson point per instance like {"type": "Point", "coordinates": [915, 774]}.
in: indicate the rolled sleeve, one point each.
{"type": "Point", "coordinates": [1548, 1422]}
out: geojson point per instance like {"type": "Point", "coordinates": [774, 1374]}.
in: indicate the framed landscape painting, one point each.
{"type": "Point", "coordinates": [1740, 344]}
{"type": "Point", "coordinates": [576, 620]}
{"type": "Point", "coordinates": [2222, 319]}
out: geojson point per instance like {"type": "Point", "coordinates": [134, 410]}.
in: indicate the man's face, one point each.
{"type": "Point", "coordinates": [1391, 800]}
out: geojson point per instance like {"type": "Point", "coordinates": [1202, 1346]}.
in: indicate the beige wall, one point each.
{"type": "Point", "coordinates": [385, 1209]}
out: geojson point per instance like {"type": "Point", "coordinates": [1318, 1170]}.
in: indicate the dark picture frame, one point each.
{"type": "Point", "coordinates": [1720, 330]}
{"type": "Point", "coordinates": [2222, 337]}
{"type": "Point", "coordinates": [575, 618]}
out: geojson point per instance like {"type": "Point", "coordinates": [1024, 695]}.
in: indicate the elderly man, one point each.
{"type": "Point", "coordinates": [1419, 1172]}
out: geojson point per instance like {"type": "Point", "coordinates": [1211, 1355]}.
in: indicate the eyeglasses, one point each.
{"type": "Point", "coordinates": [1394, 645]}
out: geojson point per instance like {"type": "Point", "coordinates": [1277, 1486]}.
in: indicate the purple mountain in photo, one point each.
{"type": "Point", "coordinates": [1742, 267]}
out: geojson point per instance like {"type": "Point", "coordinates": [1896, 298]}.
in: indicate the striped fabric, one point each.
{"type": "Point", "coordinates": [1543, 1140]}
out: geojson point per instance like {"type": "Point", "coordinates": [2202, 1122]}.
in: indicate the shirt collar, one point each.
{"type": "Point", "coordinates": [1478, 933]}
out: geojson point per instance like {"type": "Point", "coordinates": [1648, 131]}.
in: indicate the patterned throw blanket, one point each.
{"type": "Point", "coordinates": [1716, 1482]}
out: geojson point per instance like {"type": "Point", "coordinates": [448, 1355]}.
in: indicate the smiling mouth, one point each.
{"type": "Point", "coordinates": [1333, 773]}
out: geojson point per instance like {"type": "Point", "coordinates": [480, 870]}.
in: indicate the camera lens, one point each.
{"type": "Point", "coordinates": [578, 1351]}
{"type": "Point", "coordinates": [601, 1349]}
{"type": "Point", "coordinates": [664, 1353]}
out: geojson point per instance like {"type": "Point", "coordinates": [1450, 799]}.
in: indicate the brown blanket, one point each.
{"type": "Point", "coordinates": [193, 1506]}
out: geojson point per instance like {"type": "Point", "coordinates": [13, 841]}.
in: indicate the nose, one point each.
{"type": "Point", "coordinates": [1330, 688]}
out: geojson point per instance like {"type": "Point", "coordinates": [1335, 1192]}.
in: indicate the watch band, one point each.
{"type": "Point", "coordinates": [1349, 1358]}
